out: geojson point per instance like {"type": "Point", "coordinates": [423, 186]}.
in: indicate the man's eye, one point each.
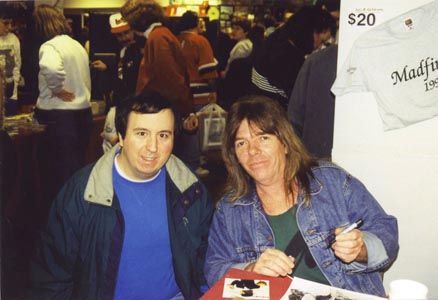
{"type": "Point", "coordinates": [141, 133]}
{"type": "Point", "coordinates": [264, 137]}
{"type": "Point", "coordinates": [164, 135]}
{"type": "Point", "coordinates": [240, 144]}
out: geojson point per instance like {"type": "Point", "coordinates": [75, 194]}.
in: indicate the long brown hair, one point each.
{"type": "Point", "coordinates": [50, 22]}
{"type": "Point", "coordinates": [140, 14]}
{"type": "Point", "coordinates": [266, 114]}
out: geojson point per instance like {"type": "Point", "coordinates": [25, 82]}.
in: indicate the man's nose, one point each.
{"type": "Point", "coordinates": [253, 148]}
{"type": "Point", "coordinates": [151, 144]}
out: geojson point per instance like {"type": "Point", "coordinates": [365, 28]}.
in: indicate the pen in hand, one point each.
{"type": "Point", "coordinates": [353, 226]}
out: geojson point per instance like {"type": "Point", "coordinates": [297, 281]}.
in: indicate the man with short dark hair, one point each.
{"type": "Point", "coordinates": [132, 226]}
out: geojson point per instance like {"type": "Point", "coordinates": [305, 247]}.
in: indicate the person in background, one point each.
{"type": "Point", "coordinates": [334, 8]}
{"type": "Point", "coordinates": [311, 108]}
{"type": "Point", "coordinates": [163, 68]}
{"type": "Point", "coordinates": [290, 209]}
{"type": "Point", "coordinates": [201, 66]}
{"type": "Point", "coordinates": [220, 42]}
{"type": "Point", "coordinates": [270, 25]}
{"type": "Point", "coordinates": [63, 103]}
{"type": "Point", "coordinates": [122, 78]}
{"type": "Point", "coordinates": [202, 29]}
{"type": "Point", "coordinates": [278, 62]}
{"type": "Point", "coordinates": [133, 225]}
{"type": "Point", "coordinates": [237, 80]}
{"type": "Point", "coordinates": [243, 48]}
{"type": "Point", "coordinates": [10, 59]}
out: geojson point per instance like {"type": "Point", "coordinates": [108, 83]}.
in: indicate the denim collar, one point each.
{"type": "Point", "coordinates": [253, 198]}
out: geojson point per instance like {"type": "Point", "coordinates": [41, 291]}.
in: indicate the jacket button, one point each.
{"type": "Point", "coordinates": [269, 238]}
{"type": "Point", "coordinates": [310, 231]}
{"type": "Point", "coordinates": [186, 202]}
{"type": "Point", "coordinates": [197, 191]}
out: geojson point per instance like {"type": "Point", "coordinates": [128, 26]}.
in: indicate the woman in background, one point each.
{"type": "Point", "coordinates": [243, 48]}
{"type": "Point", "coordinates": [64, 96]}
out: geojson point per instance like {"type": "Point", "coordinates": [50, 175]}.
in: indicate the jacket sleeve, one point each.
{"type": "Point", "coordinates": [380, 229]}
{"type": "Point", "coordinates": [205, 216]}
{"type": "Point", "coordinates": [220, 255]}
{"type": "Point", "coordinates": [207, 63]}
{"type": "Point", "coordinates": [53, 263]}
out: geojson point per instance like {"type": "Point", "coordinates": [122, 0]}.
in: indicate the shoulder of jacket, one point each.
{"type": "Point", "coordinates": [329, 169]}
{"type": "Point", "coordinates": [180, 173]}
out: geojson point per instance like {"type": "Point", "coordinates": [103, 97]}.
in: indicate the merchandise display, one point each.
{"type": "Point", "coordinates": [395, 60]}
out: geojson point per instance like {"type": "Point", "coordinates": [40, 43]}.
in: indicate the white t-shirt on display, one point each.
{"type": "Point", "coordinates": [398, 62]}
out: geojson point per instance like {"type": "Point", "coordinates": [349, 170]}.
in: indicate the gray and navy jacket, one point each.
{"type": "Point", "coordinates": [78, 253]}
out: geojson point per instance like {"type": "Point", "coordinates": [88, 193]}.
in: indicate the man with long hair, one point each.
{"type": "Point", "coordinates": [284, 212]}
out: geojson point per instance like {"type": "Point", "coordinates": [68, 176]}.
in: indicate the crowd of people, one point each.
{"type": "Point", "coordinates": [139, 222]}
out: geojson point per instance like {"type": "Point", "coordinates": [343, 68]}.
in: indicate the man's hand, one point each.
{"type": "Point", "coordinates": [99, 65]}
{"type": "Point", "coordinates": [272, 262]}
{"type": "Point", "coordinates": [65, 95]}
{"type": "Point", "coordinates": [191, 122]}
{"type": "Point", "coordinates": [350, 246]}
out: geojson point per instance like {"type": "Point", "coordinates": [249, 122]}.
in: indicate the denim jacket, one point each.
{"type": "Point", "coordinates": [240, 231]}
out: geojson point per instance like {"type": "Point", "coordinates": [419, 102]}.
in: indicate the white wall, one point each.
{"type": "Point", "coordinates": [399, 167]}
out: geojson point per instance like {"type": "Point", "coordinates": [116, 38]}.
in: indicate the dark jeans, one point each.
{"type": "Point", "coordinates": [10, 106]}
{"type": "Point", "coordinates": [64, 143]}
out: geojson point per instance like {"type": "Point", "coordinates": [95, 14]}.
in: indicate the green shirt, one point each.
{"type": "Point", "coordinates": [285, 228]}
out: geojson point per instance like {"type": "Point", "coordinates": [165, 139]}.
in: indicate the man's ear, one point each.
{"type": "Point", "coordinates": [120, 139]}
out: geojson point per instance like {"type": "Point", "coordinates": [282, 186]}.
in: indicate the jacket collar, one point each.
{"type": "Point", "coordinates": [100, 189]}
{"type": "Point", "coordinates": [252, 197]}
{"type": "Point", "coordinates": [150, 28]}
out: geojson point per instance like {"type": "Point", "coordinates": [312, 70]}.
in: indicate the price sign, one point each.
{"type": "Point", "coordinates": [365, 16]}
{"type": "Point", "coordinates": [362, 19]}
